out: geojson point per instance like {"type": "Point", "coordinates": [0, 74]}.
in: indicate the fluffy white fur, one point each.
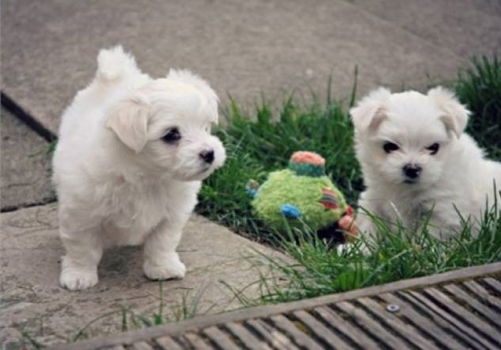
{"type": "Point", "coordinates": [457, 176]}
{"type": "Point", "coordinates": [119, 182]}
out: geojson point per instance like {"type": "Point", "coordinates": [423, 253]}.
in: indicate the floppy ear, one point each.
{"type": "Point", "coordinates": [455, 115]}
{"type": "Point", "coordinates": [369, 112]}
{"type": "Point", "coordinates": [129, 121]}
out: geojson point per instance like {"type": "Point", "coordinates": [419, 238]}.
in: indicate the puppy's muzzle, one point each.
{"type": "Point", "coordinates": [412, 171]}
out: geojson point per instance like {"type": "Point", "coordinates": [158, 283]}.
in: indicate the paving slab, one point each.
{"type": "Point", "coordinates": [243, 48]}
{"type": "Point", "coordinates": [32, 305]}
{"type": "Point", "coordinates": [24, 165]}
{"type": "Point", "coordinates": [467, 27]}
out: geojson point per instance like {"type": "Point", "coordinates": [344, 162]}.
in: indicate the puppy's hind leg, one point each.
{"type": "Point", "coordinates": [83, 253]}
{"type": "Point", "coordinates": [161, 261]}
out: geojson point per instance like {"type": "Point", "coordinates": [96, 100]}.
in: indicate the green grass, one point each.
{"type": "Point", "coordinates": [263, 141]}
{"type": "Point", "coordinates": [479, 87]}
{"type": "Point", "coordinates": [318, 270]}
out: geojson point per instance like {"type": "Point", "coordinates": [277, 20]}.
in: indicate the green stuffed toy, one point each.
{"type": "Point", "coordinates": [303, 194]}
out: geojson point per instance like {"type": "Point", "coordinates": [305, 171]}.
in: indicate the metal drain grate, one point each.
{"type": "Point", "coordinates": [447, 315]}
{"type": "Point", "coordinates": [454, 316]}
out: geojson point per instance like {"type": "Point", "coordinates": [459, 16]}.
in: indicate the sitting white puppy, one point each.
{"type": "Point", "coordinates": [417, 162]}
{"type": "Point", "coordinates": [131, 155]}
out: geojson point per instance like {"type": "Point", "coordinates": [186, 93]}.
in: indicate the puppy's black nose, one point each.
{"type": "Point", "coordinates": [412, 171]}
{"type": "Point", "coordinates": [207, 155]}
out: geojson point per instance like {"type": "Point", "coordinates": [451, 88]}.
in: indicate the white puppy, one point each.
{"type": "Point", "coordinates": [417, 162]}
{"type": "Point", "coordinates": [127, 168]}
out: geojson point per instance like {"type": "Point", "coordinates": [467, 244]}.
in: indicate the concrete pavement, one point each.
{"type": "Point", "coordinates": [242, 47]}
{"type": "Point", "coordinates": [33, 305]}
{"type": "Point", "coordinates": [465, 27]}
{"type": "Point", "coordinates": [24, 165]}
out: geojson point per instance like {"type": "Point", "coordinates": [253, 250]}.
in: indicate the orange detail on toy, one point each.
{"type": "Point", "coordinates": [308, 157]}
{"type": "Point", "coordinates": [348, 225]}
{"type": "Point", "coordinates": [349, 211]}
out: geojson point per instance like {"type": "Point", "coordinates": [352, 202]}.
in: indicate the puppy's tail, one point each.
{"type": "Point", "coordinates": [114, 63]}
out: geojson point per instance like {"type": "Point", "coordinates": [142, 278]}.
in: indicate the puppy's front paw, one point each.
{"type": "Point", "coordinates": [78, 279]}
{"type": "Point", "coordinates": [347, 249]}
{"type": "Point", "coordinates": [170, 268]}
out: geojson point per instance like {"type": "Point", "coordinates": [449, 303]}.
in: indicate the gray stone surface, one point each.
{"type": "Point", "coordinates": [24, 165]}
{"type": "Point", "coordinates": [31, 301]}
{"type": "Point", "coordinates": [467, 27]}
{"type": "Point", "coordinates": [241, 47]}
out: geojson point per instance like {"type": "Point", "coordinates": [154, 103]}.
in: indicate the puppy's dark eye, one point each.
{"type": "Point", "coordinates": [433, 148]}
{"type": "Point", "coordinates": [390, 147]}
{"type": "Point", "coordinates": [172, 135]}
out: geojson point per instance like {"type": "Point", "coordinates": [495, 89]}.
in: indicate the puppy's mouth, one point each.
{"type": "Point", "coordinates": [202, 173]}
{"type": "Point", "coordinates": [198, 175]}
{"type": "Point", "coordinates": [204, 170]}
{"type": "Point", "coordinates": [411, 181]}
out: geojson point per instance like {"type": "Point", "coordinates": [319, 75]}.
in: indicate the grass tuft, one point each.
{"type": "Point", "coordinates": [479, 87]}
{"type": "Point", "coordinates": [318, 270]}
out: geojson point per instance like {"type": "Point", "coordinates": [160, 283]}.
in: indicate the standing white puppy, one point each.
{"type": "Point", "coordinates": [131, 155]}
{"type": "Point", "coordinates": [417, 161]}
